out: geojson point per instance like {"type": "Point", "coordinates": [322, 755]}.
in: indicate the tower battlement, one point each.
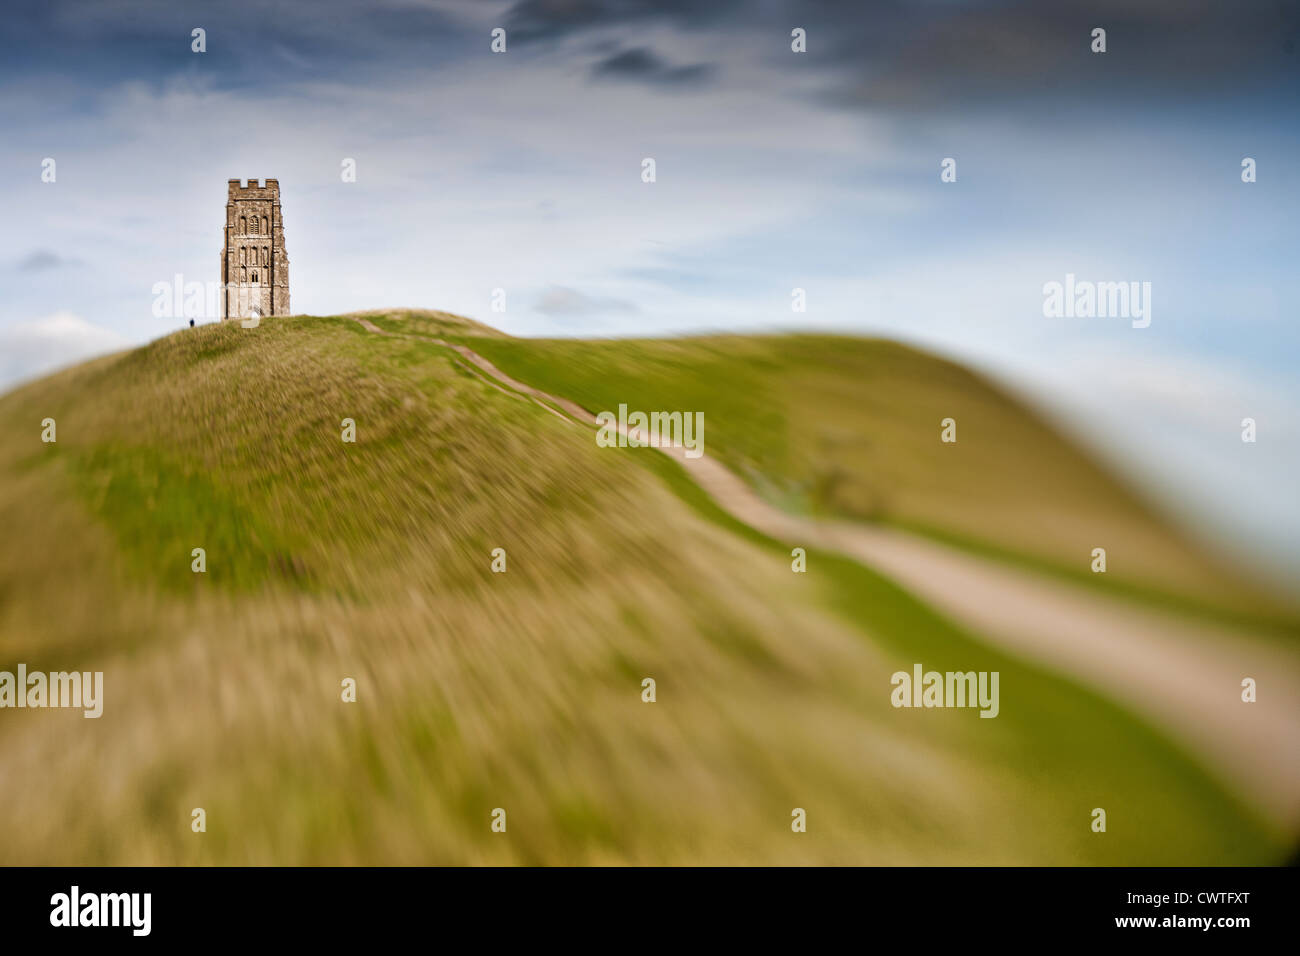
{"type": "Point", "coordinates": [252, 188]}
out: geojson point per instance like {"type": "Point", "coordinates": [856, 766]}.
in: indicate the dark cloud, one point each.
{"type": "Point", "coordinates": [968, 54]}
{"type": "Point", "coordinates": [898, 55]}
{"type": "Point", "coordinates": [644, 66]}
{"type": "Point", "coordinates": [893, 54]}
{"type": "Point", "coordinates": [249, 43]}
{"type": "Point", "coordinates": [530, 21]}
{"type": "Point", "coordinates": [43, 260]}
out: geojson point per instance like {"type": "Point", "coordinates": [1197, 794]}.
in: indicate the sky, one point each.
{"type": "Point", "coordinates": [774, 170]}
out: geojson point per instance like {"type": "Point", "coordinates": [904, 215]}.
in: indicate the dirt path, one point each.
{"type": "Point", "coordinates": [1183, 675]}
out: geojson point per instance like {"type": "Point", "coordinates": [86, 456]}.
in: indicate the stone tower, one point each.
{"type": "Point", "coordinates": [254, 266]}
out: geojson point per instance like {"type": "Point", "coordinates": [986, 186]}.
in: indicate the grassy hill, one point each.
{"type": "Point", "coordinates": [836, 426]}
{"type": "Point", "coordinates": [522, 690]}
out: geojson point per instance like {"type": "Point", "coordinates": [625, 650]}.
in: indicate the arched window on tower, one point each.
{"type": "Point", "coordinates": [255, 226]}
{"type": "Point", "coordinates": [266, 256]}
{"type": "Point", "coordinates": [243, 224]}
{"type": "Point", "coordinates": [254, 275]}
{"type": "Point", "coordinates": [241, 255]}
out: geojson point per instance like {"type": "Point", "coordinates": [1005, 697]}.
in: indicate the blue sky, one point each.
{"type": "Point", "coordinates": [775, 170]}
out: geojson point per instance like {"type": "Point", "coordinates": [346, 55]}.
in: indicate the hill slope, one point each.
{"type": "Point", "coordinates": [834, 426]}
{"type": "Point", "coordinates": [522, 690]}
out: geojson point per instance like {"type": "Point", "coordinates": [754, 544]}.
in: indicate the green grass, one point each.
{"type": "Point", "coordinates": [159, 509]}
{"type": "Point", "coordinates": [478, 690]}
{"type": "Point", "coordinates": [1061, 730]}
{"type": "Point", "coordinates": [834, 426]}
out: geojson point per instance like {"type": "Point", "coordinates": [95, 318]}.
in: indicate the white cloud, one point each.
{"type": "Point", "coordinates": [30, 349]}
{"type": "Point", "coordinates": [563, 301]}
